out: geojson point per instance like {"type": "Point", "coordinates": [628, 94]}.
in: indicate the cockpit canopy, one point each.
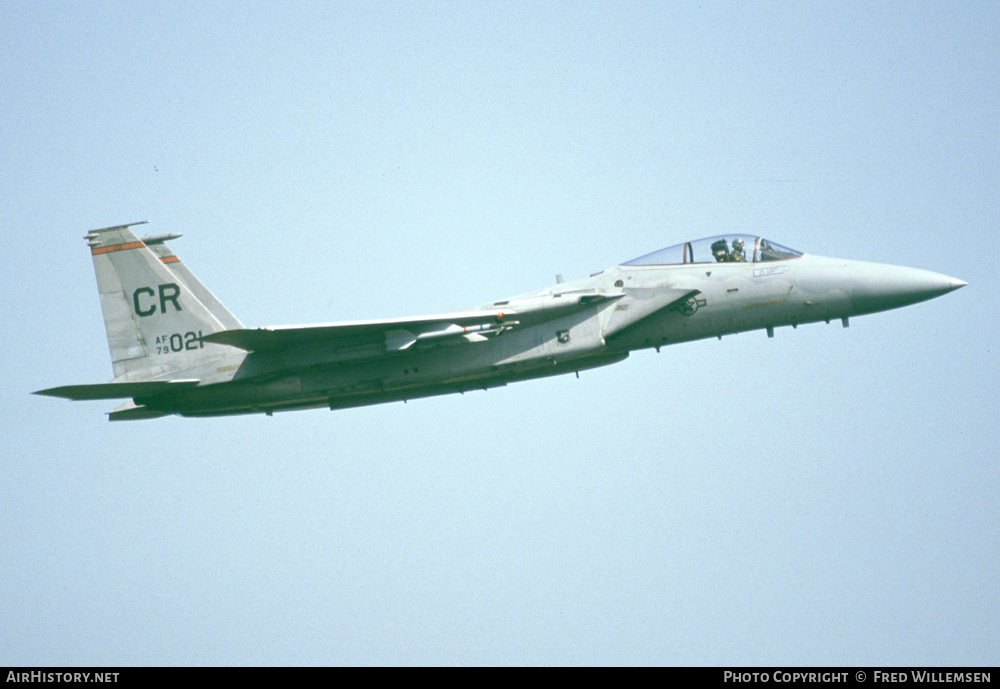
{"type": "Point", "coordinates": [732, 248]}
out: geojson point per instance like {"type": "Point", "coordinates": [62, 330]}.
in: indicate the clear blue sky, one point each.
{"type": "Point", "coordinates": [828, 496]}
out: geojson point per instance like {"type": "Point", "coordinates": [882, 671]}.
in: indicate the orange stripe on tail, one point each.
{"type": "Point", "coordinates": [116, 247]}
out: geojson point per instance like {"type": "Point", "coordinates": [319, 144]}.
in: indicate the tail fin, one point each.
{"type": "Point", "coordinates": [153, 316]}
{"type": "Point", "coordinates": [157, 245]}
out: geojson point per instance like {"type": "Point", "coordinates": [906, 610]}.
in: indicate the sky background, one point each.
{"type": "Point", "coordinates": [826, 497]}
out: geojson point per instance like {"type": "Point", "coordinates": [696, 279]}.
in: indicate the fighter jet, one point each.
{"type": "Point", "coordinates": [176, 349]}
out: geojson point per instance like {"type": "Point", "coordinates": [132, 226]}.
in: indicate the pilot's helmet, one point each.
{"type": "Point", "coordinates": [737, 243]}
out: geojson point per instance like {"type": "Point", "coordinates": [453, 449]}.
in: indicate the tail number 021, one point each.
{"type": "Point", "coordinates": [167, 344]}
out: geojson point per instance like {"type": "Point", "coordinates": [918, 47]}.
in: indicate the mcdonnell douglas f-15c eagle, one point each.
{"type": "Point", "coordinates": [177, 350]}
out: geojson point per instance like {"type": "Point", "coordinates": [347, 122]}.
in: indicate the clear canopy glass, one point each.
{"type": "Point", "coordinates": [732, 248]}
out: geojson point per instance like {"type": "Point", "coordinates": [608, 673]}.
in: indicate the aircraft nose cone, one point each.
{"type": "Point", "coordinates": [880, 287]}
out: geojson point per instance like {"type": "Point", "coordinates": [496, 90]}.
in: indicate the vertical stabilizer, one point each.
{"type": "Point", "coordinates": [153, 317]}
{"type": "Point", "coordinates": [157, 245]}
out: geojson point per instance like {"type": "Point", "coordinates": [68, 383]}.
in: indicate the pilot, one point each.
{"type": "Point", "coordinates": [737, 254]}
{"type": "Point", "coordinates": [720, 252]}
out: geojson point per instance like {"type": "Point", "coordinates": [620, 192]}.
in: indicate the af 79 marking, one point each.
{"type": "Point", "coordinates": [189, 341]}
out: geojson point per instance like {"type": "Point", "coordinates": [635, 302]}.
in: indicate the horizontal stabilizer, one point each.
{"type": "Point", "coordinates": [133, 412]}
{"type": "Point", "coordinates": [111, 391]}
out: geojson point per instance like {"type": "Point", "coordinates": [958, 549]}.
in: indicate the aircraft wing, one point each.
{"type": "Point", "coordinates": [402, 333]}
{"type": "Point", "coordinates": [398, 334]}
{"type": "Point", "coordinates": [111, 391]}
